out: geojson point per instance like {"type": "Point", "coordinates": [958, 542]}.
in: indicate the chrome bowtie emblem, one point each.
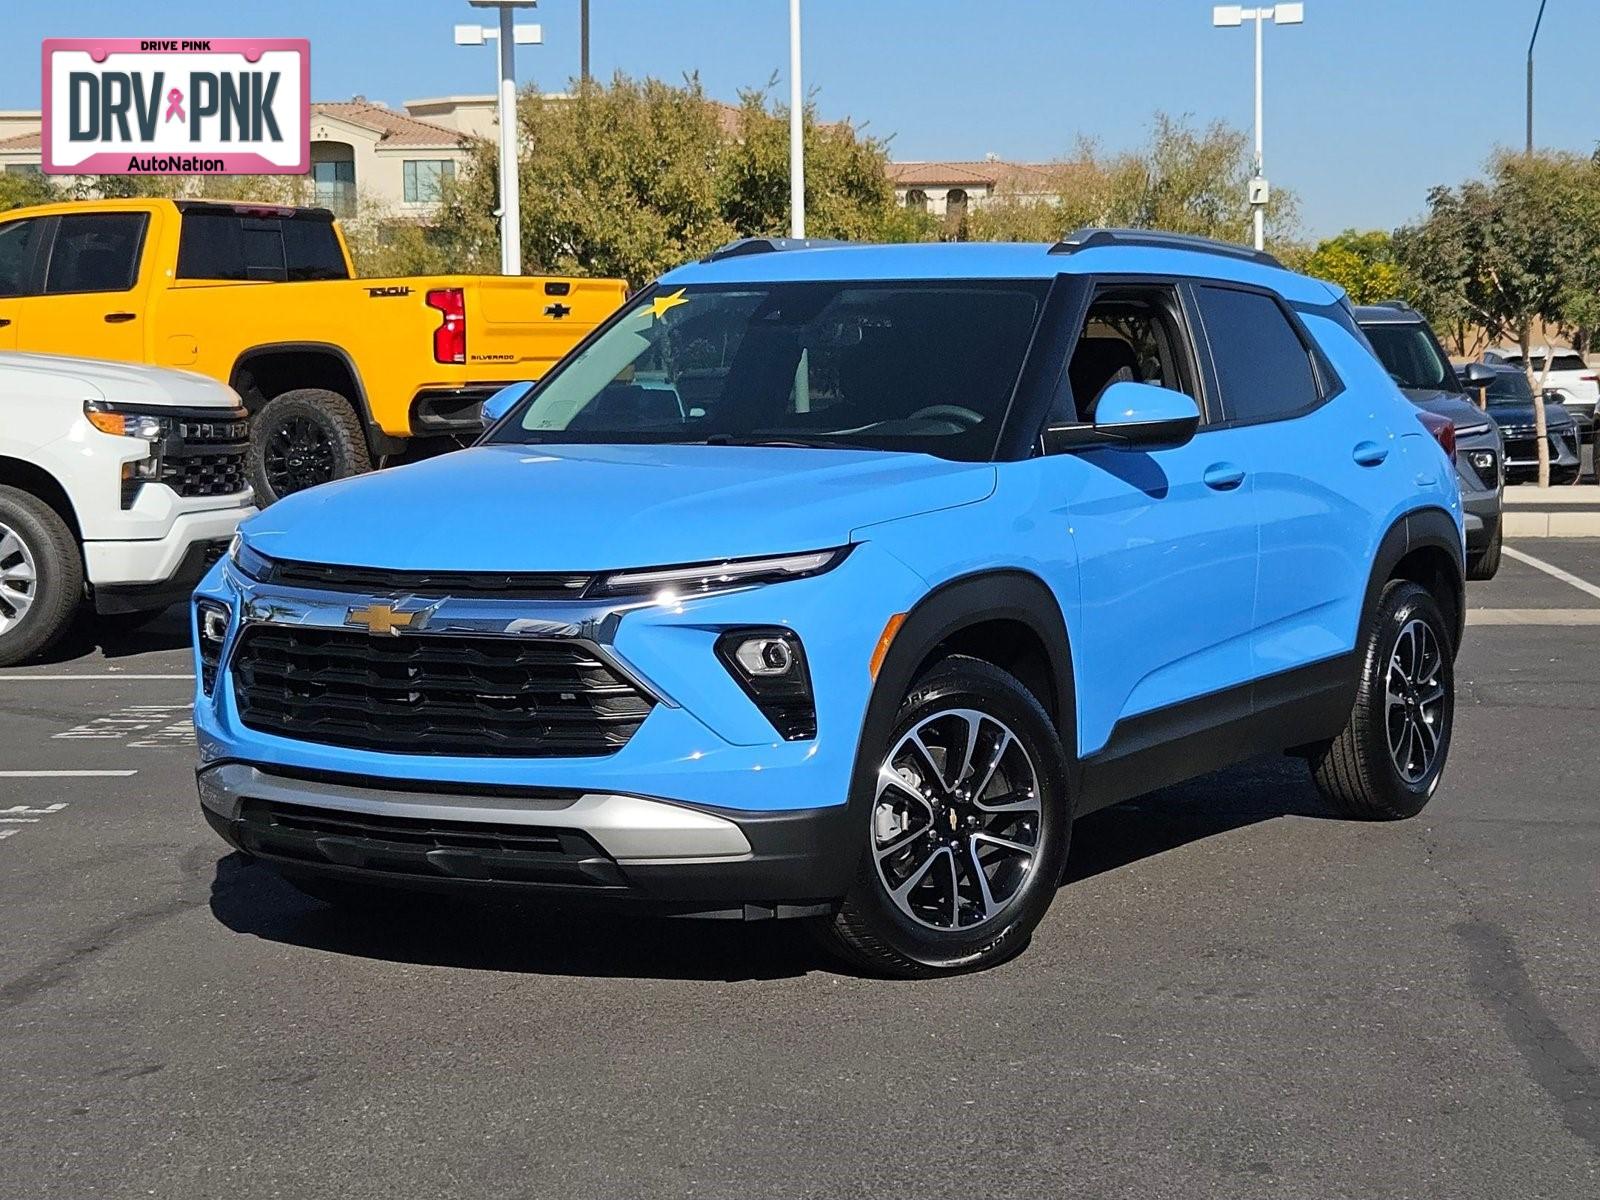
{"type": "Point", "coordinates": [382, 619]}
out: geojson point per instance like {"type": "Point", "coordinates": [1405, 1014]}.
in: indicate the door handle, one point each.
{"type": "Point", "coordinates": [1369, 454]}
{"type": "Point", "coordinates": [4, 321]}
{"type": "Point", "coordinates": [118, 318]}
{"type": "Point", "coordinates": [1223, 476]}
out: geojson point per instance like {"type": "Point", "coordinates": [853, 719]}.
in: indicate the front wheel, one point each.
{"type": "Point", "coordinates": [966, 833]}
{"type": "Point", "coordinates": [1387, 761]}
{"type": "Point", "coordinates": [303, 438]}
{"type": "Point", "coordinates": [1485, 564]}
{"type": "Point", "coordinates": [41, 576]}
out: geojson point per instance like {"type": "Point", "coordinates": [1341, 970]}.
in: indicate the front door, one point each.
{"type": "Point", "coordinates": [91, 303]}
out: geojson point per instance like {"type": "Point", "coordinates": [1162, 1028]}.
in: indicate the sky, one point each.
{"type": "Point", "coordinates": [1368, 104]}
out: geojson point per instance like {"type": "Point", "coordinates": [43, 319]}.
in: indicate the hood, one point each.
{"type": "Point", "coordinates": [1462, 413]}
{"type": "Point", "coordinates": [594, 508]}
{"type": "Point", "coordinates": [119, 383]}
{"type": "Point", "coordinates": [1520, 413]}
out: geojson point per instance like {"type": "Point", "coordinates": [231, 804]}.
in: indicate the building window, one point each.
{"type": "Point", "coordinates": [334, 182]}
{"type": "Point", "coordinates": [955, 203]}
{"type": "Point", "coordinates": [424, 176]}
{"type": "Point", "coordinates": [917, 199]}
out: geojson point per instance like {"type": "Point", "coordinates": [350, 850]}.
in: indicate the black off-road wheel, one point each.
{"type": "Point", "coordinates": [1387, 762]}
{"type": "Point", "coordinates": [303, 438]}
{"type": "Point", "coordinates": [41, 576]}
{"type": "Point", "coordinates": [964, 834]}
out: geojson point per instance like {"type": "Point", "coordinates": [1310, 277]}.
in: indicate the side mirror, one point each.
{"type": "Point", "coordinates": [503, 401]}
{"type": "Point", "coordinates": [1478, 375]}
{"type": "Point", "coordinates": [1130, 414]}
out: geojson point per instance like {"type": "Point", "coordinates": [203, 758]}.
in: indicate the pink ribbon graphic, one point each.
{"type": "Point", "coordinates": [174, 106]}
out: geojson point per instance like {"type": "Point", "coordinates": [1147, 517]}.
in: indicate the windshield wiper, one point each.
{"type": "Point", "coordinates": [729, 439]}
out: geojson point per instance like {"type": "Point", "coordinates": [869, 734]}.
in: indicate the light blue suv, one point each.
{"type": "Point", "coordinates": [834, 582]}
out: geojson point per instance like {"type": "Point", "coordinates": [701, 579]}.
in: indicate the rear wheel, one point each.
{"type": "Point", "coordinates": [1387, 762]}
{"type": "Point", "coordinates": [303, 438]}
{"type": "Point", "coordinates": [966, 832]}
{"type": "Point", "coordinates": [1486, 562]}
{"type": "Point", "coordinates": [41, 576]}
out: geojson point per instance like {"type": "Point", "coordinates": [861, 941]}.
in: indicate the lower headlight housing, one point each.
{"type": "Point", "coordinates": [211, 631]}
{"type": "Point", "coordinates": [769, 663]}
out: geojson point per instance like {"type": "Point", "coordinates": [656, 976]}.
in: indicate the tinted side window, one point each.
{"type": "Point", "coordinates": [95, 252]}
{"type": "Point", "coordinates": [1263, 369]}
{"type": "Point", "coordinates": [17, 242]}
{"type": "Point", "coordinates": [226, 245]}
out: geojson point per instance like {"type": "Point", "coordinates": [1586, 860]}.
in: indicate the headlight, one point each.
{"type": "Point", "coordinates": [699, 578]}
{"type": "Point", "coordinates": [1471, 431]}
{"type": "Point", "coordinates": [120, 421]}
{"type": "Point", "coordinates": [211, 622]}
{"type": "Point", "coordinates": [246, 561]}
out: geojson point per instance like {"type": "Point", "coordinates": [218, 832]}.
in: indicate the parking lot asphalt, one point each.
{"type": "Point", "coordinates": [1235, 995]}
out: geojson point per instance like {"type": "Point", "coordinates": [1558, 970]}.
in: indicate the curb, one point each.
{"type": "Point", "coordinates": [1550, 524]}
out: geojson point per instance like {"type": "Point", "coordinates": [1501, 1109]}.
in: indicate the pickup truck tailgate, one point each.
{"type": "Point", "coordinates": [533, 322]}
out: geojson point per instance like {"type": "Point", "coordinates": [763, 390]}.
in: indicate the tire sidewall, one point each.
{"type": "Point", "coordinates": [59, 581]}
{"type": "Point", "coordinates": [1402, 603]}
{"type": "Point", "coordinates": [969, 683]}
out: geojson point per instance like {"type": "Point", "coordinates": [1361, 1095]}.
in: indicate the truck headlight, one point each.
{"type": "Point", "coordinates": [770, 665]}
{"type": "Point", "coordinates": [121, 421]}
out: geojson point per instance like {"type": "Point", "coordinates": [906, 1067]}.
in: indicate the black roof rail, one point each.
{"type": "Point", "coordinates": [1397, 305]}
{"type": "Point", "coordinates": [1089, 236]}
{"type": "Point", "coordinates": [768, 245]}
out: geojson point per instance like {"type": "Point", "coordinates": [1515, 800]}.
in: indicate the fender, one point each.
{"type": "Point", "coordinates": [377, 439]}
{"type": "Point", "coordinates": [966, 601]}
{"type": "Point", "coordinates": [1420, 528]}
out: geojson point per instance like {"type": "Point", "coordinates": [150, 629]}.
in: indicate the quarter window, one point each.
{"type": "Point", "coordinates": [1263, 368]}
{"type": "Point", "coordinates": [95, 252]}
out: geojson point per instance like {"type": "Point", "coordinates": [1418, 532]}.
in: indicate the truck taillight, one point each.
{"type": "Point", "coordinates": [1443, 430]}
{"type": "Point", "coordinates": [450, 339]}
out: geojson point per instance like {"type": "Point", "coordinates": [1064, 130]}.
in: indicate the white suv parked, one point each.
{"type": "Point", "coordinates": [1576, 380]}
{"type": "Point", "coordinates": [119, 485]}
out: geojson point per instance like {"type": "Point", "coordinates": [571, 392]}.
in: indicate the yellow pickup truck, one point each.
{"type": "Point", "coordinates": [338, 373]}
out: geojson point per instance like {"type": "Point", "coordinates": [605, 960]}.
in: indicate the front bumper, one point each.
{"type": "Point", "coordinates": [586, 847]}
{"type": "Point", "coordinates": [136, 575]}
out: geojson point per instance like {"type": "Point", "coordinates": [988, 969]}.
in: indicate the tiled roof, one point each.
{"type": "Point", "coordinates": [23, 141]}
{"type": "Point", "coordinates": [989, 171]}
{"type": "Point", "coordinates": [394, 128]}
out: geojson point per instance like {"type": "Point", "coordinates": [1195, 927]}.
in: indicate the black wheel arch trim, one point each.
{"type": "Point", "coordinates": [377, 439]}
{"type": "Point", "coordinates": [1420, 528]}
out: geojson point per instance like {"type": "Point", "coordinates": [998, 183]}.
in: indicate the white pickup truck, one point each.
{"type": "Point", "coordinates": [119, 485]}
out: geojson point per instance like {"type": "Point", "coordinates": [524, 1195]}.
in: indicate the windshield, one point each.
{"type": "Point", "coordinates": [926, 367]}
{"type": "Point", "coordinates": [1510, 387]}
{"type": "Point", "coordinates": [1410, 355]}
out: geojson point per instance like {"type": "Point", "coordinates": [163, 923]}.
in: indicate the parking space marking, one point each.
{"type": "Point", "coordinates": [21, 814]}
{"type": "Point", "coordinates": [66, 774]}
{"type": "Point", "coordinates": [72, 678]}
{"type": "Point", "coordinates": [1555, 572]}
{"type": "Point", "coordinates": [138, 726]}
{"type": "Point", "coordinates": [1533, 616]}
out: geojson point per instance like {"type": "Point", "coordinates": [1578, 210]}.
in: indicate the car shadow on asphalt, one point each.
{"type": "Point", "coordinates": [93, 636]}
{"type": "Point", "coordinates": [250, 898]}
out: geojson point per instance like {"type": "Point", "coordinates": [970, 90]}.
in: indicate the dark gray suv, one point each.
{"type": "Point", "coordinates": [1409, 351]}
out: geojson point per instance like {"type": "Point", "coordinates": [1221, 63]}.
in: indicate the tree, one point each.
{"type": "Point", "coordinates": [18, 189]}
{"type": "Point", "coordinates": [1184, 180]}
{"type": "Point", "coordinates": [1363, 264]}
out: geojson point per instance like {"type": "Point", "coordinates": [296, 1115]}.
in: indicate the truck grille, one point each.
{"type": "Point", "coordinates": [208, 459]}
{"type": "Point", "coordinates": [435, 694]}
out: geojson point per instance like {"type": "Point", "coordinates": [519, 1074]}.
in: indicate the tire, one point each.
{"type": "Point", "coordinates": [939, 927]}
{"type": "Point", "coordinates": [1360, 772]}
{"type": "Point", "coordinates": [1485, 564]}
{"type": "Point", "coordinates": [302, 438]}
{"type": "Point", "coordinates": [41, 576]}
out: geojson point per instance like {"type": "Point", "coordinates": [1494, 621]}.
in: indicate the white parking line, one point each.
{"type": "Point", "coordinates": [66, 678]}
{"type": "Point", "coordinates": [66, 774]}
{"type": "Point", "coordinates": [1555, 572]}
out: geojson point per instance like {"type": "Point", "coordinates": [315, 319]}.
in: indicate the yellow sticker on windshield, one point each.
{"type": "Point", "coordinates": [661, 304]}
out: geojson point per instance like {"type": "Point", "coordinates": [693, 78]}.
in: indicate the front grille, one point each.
{"type": "Point", "coordinates": [423, 847]}
{"type": "Point", "coordinates": [375, 581]}
{"type": "Point", "coordinates": [220, 474]}
{"type": "Point", "coordinates": [436, 694]}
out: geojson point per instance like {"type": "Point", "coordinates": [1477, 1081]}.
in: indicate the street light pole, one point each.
{"type": "Point", "coordinates": [509, 37]}
{"type": "Point", "coordinates": [1231, 16]}
{"type": "Point", "coordinates": [1537, 21]}
{"type": "Point", "coordinates": [797, 146]}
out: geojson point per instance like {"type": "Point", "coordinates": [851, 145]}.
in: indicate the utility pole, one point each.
{"type": "Point", "coordinates": [583, 42]}
{"type": "Point", "coordinates": [1231, 16]}
{"type": "Point", "coordinates": [508, 36]}
{"type": "Point", "coordinates": [797, 145]}
{"type": "Point", "coordinates": [1537, 21]}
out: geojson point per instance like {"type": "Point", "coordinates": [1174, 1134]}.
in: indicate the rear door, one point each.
{"type": "Point", "coordinates": [1327, 466]}
{"type": "Point", "coordinates": [1165, 538]}
{"type": "Point", "coordinates": [94, 278]}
